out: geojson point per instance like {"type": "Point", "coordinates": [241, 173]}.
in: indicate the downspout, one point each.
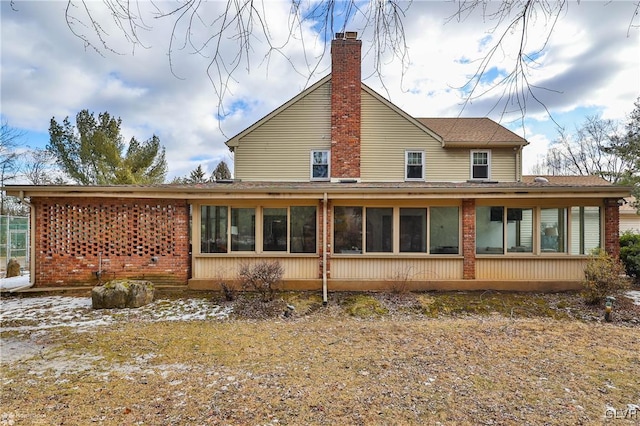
{"type": "Point", "coordinates": [324, 250]}
{"type": "Point", "coordinates": [31, 246]}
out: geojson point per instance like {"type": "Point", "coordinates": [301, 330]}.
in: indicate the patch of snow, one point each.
{"type": "Point", "coordinates": [634, 295]}
{"type": "Point", "coordinates": [28, 314]}
{"type": "Point", "coordinates": [14, 282]}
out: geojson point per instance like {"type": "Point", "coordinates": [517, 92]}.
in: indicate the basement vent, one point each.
{"type": "Point", "coordinates": [348, 181]}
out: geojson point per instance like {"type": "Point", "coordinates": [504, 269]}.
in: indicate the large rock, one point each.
{"type": "Point", "coordinates": [13, 268]}
{"type": "Point", "coordinates": [122, 294]}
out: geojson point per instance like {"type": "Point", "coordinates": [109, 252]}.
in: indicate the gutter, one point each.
{"type": "Point", "coordinates": [324, 250]}
{"type": "Point", "coordinates": [31, 245]}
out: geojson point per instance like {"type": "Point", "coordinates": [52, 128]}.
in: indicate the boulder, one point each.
{"type": "Point", "coordinates": [122, 294]}
{"type": "Point", "coordinates": [13, 268]}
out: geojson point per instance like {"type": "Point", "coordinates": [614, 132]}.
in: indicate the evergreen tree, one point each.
{"type": "Point", "coordinates": [93, 152]}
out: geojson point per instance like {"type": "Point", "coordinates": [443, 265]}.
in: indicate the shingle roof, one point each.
{"type": "Point", "coordinates": [569, 180]}
{"type": "Point", "coordinates": [472, 131]}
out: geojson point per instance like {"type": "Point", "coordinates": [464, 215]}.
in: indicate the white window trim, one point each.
{"type": "Point", "coordinates": [406, 164]}
{"type": "Point", "coordinates": [311, 177]}
{"type": "Point", "coordinates": [488, 152]}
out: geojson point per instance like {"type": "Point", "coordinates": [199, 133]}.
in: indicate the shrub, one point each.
{"type": "Point", "coordinates": [603, 276]}
{"type": "Point", "coordinates": [261, 277]}
{"type": "Point", "coordinates": [630, 253]}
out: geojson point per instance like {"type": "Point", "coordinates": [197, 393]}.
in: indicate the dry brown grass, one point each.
{"type": "Point", "coordinates": [326, 366]}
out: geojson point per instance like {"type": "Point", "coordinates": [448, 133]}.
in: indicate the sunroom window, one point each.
{"type": "Point", "coordinates": [553, 230]}
{"type": "Point", "coordinates": [243, 229]}
{"type": "Point", "coordinates": [490, 230]}
{"type": "Point", "coordinates": [303, 229]}
{"type": "Point", "coordinates": [213, 234]}
{"type": "Point", "coordinates": [274, 229]}
{"type": "Point", "coordinates": [379, 230]}
{"type": "Point", "coordinates": [585, 229]}
{"type": "Point", "coordinates": [347, 234]}
{"type": "Point", "coordinates": [413, 230]}
{"type": "Point", "coordinates": [444, 230]}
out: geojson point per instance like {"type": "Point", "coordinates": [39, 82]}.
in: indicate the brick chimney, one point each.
{"type": "Point", "coordinates": [345, 106]}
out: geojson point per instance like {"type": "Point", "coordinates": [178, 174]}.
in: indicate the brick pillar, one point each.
{"type": "Point", "coordinates": [469, 239]}
{"type": "Point", "coordinates": [345, 106]}
{"type": "Point", "coordinates": [612, 227]}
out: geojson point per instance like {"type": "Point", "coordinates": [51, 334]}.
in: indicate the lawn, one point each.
{"type": "Point", "coordinates": [452, 358]}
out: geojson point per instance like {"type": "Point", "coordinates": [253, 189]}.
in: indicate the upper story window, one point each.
{"type": "Point", "coordinates": [480, 164]}
{"type": "Point", "coordinates": [320, 165]}
{"type": "Point", "coordinates": [414, 165]}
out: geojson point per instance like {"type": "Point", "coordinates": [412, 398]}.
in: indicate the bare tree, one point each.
{"type": "Point", "coordinates": [39, 168]}
{"type": "Point", "coordinates": [9, 138]}
{"type": "Point", "coordinates": [586, 152]}
{"type": "Point", "coordinates": [199, 29]}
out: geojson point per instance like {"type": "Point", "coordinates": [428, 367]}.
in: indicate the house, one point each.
{"type": "Point", "coordinates": [629, 218]}
{"type": "Point", "coordinates": [347, 192]}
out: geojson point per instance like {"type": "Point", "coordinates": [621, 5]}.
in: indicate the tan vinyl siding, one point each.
{"type": "Point", "coordinates": [433, 269]}
{"type": "Point", "coordinates": [226, 268]}
{"type": "Point", "coordinates": [504, 165]}
{"type": "Point", "coordinates": [279, 150]}
{"type": "Point", "coordinates": [531, 268]}
{"type": "Point", "coordinates": [385, 137]}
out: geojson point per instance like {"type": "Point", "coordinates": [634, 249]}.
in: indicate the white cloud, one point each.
{"type": "Point", "coordinates": [589, 61]}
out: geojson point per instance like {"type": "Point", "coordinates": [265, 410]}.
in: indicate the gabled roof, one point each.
{"type": "Point", "coordinates": [463, 132]}
{"type": "Point", "coordinates": [235, 140]}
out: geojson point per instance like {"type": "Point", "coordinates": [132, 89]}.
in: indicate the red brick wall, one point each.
{"type": "Point", "coordinates": [345, 108]}
{"type": "Point", "coordinates": [76, 237]}
{"type": "Point", "coordinates": [612, 227]}
{"type": "Point", "coordinates": [469, 239]}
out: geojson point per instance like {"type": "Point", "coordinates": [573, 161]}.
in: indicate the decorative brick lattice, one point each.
{"type": "Point", "coordinates": [90, 229]}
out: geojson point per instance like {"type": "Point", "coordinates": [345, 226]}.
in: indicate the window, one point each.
{"type": "Point", "coordinates": [213, 237]}
{"type": "Point", "coordinates": [553, 230]}
{"type": "Point", "coordinates": [489, 230]}
{"type": "Point", "coordinates": [585, 229]}
{"type": "Point", "coordinates": [274, 229]}
{"type": "Point", "coordinates": [413, 230]}
{"type": "Point", "coordinates": [320, 165]}
{"type": "Point", "coordinates": [396, 230]}
{"type": "Point", "coordinates": [291, 229]}
{"type": "Point", "coordinates": [243, 229]}
{"type": "Point", "coordinates": [444, 230]}
{"type": "Point", "coordinates": [414, 161]}
{"type": "Point", "coordinates": [347, 229]}
{"type": "Point", "coordinates": [519, 230]}
{"type": "Point", "coordinates": [303, 229]}
{"type": "Point", "coordinates": [379, 230]}
{"type": "Point", "coordinates": [480, 164]}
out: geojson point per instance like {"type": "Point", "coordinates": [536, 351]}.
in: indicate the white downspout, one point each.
{"type": "Point", "coordinates": [32, 219]}
{"type": "Point", "coordinates": [324, 250]}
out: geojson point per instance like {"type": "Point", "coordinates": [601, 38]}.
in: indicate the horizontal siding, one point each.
{"type": "Point", "coordinates": [228, 267]}
{"type": "Point", "coordinates": [393, 268]}
{"type": "Point", "coordinates": [530, 269]}
{"type": "Point", "coordinates": [385, 137]}
{"type": "Point", "coordinates": [279, 150]}
{"type": "Point", "coordinates": [503, 165]}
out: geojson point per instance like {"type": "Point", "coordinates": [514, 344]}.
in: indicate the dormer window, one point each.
{"type": "Point", "coordinates": [414, 165]}
{"type": "Point", "coordinates": [320, 165]}
{"type": "Point", "coordinates": [480, 164]}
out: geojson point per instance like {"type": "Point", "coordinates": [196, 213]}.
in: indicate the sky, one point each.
{"type": "Point", "coordinates": [168, 86]}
